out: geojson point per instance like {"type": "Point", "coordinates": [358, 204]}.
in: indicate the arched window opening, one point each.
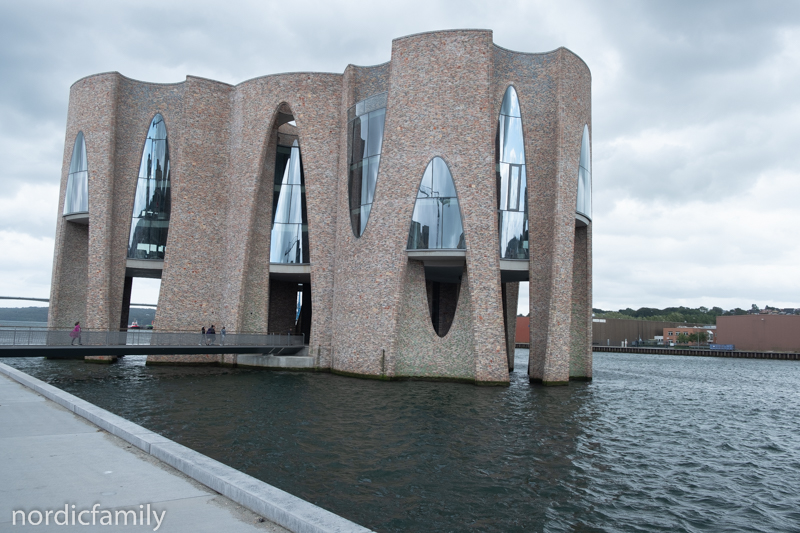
{"type": "Point", "coordinates": [436, 225]}
{"type": "Point", "coordinates": [365, 140]}
{"type": "Point", "coordinates": [512, 182]}
{"type": "Point", "coordinates": [152, 204]}
{"type": "Point", "coordinates": [289, 238]}
{"type": "Point", "coordinates": [584, 204]}
{"type": "Point", "coordinates": [436, 222]}
{"type": "Point", "coordinates": [77, 194]}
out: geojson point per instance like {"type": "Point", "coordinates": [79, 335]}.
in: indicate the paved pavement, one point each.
{"type": "Point", "coordinates": [50, 457]}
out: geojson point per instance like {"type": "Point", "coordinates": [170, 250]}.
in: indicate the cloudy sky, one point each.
{"type": "Point", "coordinates": [696, 118]}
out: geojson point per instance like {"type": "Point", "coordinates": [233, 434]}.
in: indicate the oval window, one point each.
{"type": "Point", "coordinates": [436, 222]}
{"type": "Point", "coordinates": [584, 204]}
{"type": "Point", "coordinates": [512, 182]}
{"type": "Point", "coordinates": [152, 204]}
{"type": "Point", "coordinates": [289, 239]}
{"type": "Point", "coordinates": [365, 140]}
{"type": "Point", "coordinates": [77, 195]}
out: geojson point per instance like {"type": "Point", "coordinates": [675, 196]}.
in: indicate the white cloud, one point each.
{"type": "Point", "coordinates": [25, 267]}
{"type": "Point", "coordinates": [696, 115]}
{"type": "Point", "coordinates": [738, 251]}
{"type": "Point", "coordinates": [31, 211]}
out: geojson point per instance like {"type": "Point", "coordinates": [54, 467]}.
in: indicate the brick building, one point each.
{"type": "Point", "coordinates": [671, 334]}
{"type": "Point", "coordinates": [397, 206]}
{"type": "Point", "coordinates": [760, 333]}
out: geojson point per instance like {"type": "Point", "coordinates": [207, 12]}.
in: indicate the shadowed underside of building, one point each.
{"type": "Point", "coordinates": [388, 213]}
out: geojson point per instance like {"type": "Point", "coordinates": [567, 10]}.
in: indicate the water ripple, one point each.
{"type": "Point", "coordinates": [654, 443]}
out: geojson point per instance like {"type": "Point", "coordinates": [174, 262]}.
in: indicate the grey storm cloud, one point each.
{"type": "Point", "coordinates": [693, 102]}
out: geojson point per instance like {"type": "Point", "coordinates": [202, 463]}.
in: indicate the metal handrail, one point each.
{"type": "Point", "coordinates": [33, 336]}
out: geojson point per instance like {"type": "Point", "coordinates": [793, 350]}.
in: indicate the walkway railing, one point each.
{"type": "Point", "coordinates": [33, 336]}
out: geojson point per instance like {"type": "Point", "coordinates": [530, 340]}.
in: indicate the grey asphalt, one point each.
{"type": "Point", "coordinates": [49, 457]}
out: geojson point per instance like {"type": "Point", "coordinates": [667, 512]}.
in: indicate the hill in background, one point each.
{"type": "Point", "coordinates": [39, 314]}
{"type": "Point", "coordinates": [700, 315]}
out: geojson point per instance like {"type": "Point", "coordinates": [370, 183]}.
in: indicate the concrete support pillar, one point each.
{"type": "Point", "coordinates": [510, 299]}
{"type": "Point", "coordinates": [126, 304]}
{"type": "Point", "coordinates": [553, 222]}
{"type": "Point", "coordinates": [580, 367]}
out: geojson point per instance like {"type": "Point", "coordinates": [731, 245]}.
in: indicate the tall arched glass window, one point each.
{"type": "Point", "coordinates": [289, 239]}
{"type": "Point", "coordinates": [77, 197]}
{"type": "Point", "coordinates": [436, 222]}
{"type": "Point", "coordinates": [584, 205]}
{"type": "Point", "coordinates": [365, 139]}
{"type": "Point", "coordinates": [512, 182]}
{"type": "Point", "coordinates": [151, 206]}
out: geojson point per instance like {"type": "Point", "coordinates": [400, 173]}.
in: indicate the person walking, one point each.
{"type": "Point", "coordinates": [211, 333]}
{"type": "Point", "coordinates": [202, 335]}
{"type": "Point", "coordinates": [223, 332]}
{"type": "Point", "coordinates": [76, 334]}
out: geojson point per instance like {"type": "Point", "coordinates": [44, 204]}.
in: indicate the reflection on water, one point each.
{"type": "Point", "coordinates": [655, 443]}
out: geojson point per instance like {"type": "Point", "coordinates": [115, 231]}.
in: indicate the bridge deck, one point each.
{"type": "Point", "coordinates": [140, 349]}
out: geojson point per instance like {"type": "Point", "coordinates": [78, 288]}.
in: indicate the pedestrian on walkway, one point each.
{"type": "Point", "coordinates": [202, 335]}
{"type": "Point", "coordinates": [223, 332]}
{"type": "Point", "coordinates": [76, 334]}
{"type": "Point", "coordinates": [211, 333]}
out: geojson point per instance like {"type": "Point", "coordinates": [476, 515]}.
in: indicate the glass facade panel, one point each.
{"type": "Point", "coordinates": [512, 148]}
{"type": "Point", "coordinates": [443, 185]}
{"type": "Point", "coordinates": [369, 179]}
{"type": "Point", "coordinates": [375, 137]}
{"type": "Point", "coordinates": [359, 138]}
{"type": "Point", "coordinates": [513, 235]}
{"type": "Point", "coordinates": [584, 204]}
{"type": "Point", "coordinates": [152, 203]}
{"type": "Point", "coordinates": [510, 106]}
{"type": "Point", "coordinates": [289, 237]}
{"type": "Point", "coordinates": [76, 199]}
{"type": "Point", "coordinates": [436, 222]}
{"type": "Point", "coordinates": [426, 185]}
{"type": "Point", "coordinates": [512, 181]}
{"type": "Point", "coordinates": [366, 142]}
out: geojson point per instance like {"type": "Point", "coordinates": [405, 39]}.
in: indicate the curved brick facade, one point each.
{"type": "Point", "coordinates": [370, 314]}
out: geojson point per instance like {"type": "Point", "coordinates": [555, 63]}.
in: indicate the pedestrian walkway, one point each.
{"type": "Point", "coordinates": [57, 466]}
{"type": "Point", "coordinates": [50, 457]}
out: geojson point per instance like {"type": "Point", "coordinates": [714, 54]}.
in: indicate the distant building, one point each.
{"type": "Point", "coordinates": [671, 334]}
{"type": "Point", "coordinates": [615, 331]}
{"type": "Point", "coordinates": [761, 333]}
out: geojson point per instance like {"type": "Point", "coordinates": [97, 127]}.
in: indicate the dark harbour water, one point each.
{"type": "Point", "coordinates": [654, 443]}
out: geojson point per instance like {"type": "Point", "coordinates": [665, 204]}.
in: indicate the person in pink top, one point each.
{"type": "Point", "coordinates": [76, 334]}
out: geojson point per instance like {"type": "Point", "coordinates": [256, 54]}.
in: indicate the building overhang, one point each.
{"type": "Point", "coordinates": [78, 218]}
{"type": "Point", "coordinates": [513, 270]}
{"type": "Point", "coordinates": [442, 266]}
{"type": "Point", "coordinates": [144, 268]}
{"type": "Point", "coordinates": [581, 220]}
{"type": "Point", "coordinates": [292, 272]}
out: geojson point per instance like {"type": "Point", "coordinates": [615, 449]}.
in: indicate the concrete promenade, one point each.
{"type": "Point", "coordinates": [70, 452]}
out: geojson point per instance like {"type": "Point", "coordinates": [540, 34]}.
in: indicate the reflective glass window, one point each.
{"type": "Point", "coordinates": [584, 204]}
{"type": "Point", "coordinates": [153, 202]}
{"type": "Point", "coordinates": [76, 199]}
{"type": "Point", "coordinates": [365, 138]}
{"type": "Point", "coordinates": [512, 181]}
{"type": "Point", "coordinates": [436, 221]}
{"type": "Point", "coordinates": [289, 237]}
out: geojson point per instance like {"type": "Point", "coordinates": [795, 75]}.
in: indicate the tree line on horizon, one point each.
{"type": "Point", "coordinates": [699, 315]}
